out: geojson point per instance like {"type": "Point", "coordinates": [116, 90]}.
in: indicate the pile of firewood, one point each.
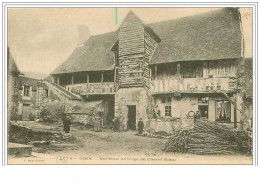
{"type": "Point", "coordinates": [210, 138]}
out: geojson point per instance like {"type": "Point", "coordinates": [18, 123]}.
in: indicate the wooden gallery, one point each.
{"type": "Point", "coordinates": [163, 71]}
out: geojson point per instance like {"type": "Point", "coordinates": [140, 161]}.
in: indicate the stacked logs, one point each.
{"type": "Point", "coordinates": [210, 138]}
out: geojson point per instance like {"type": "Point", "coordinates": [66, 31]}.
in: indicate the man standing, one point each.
{"type": "Point", "coordinates": [140, 126]}
{"type": "Point", "coordinates": [116, 124]}
{"type": "Point", "coordinates": [66, 124]}
{"type": "Point", "coordinates": [97, 123]}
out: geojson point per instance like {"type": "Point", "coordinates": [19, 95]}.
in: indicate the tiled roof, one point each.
{"type": "Point", "coordinates": [94, 55]}
{"type": "Point", "coordinates": [208, 36]}
{"type": "Point", "coordinates": [12, 67]}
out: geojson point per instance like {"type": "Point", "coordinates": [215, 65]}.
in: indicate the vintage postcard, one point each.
{"type": "Point", "coordinates": [130, 85]}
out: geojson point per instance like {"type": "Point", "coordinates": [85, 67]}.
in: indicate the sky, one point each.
{"type": "Point", "coordinates": [40, 39]}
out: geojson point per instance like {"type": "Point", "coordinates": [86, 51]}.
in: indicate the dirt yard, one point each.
{"type": "Point", "coordinates": [107, 147]}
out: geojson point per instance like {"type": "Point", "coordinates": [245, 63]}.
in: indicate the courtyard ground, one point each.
{"type": "Point", "coordinates": [107, 147]}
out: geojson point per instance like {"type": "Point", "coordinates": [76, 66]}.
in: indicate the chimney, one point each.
{"type": "Point", "coordinates": [84, 34]}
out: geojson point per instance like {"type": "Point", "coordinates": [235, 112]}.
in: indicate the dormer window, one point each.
{"type": "Point", "coordinates": [26, 91]}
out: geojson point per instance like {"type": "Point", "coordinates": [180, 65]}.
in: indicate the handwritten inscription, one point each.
{"type": "Point", "coordinates": [62, 159]}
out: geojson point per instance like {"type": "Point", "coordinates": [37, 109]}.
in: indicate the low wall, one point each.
{"type": "Point", "coordinates": [84, 119]}
{"type": "Point", "coordinates": [80, 118]}
{"type": "Point", "coordinates": [171, 126]}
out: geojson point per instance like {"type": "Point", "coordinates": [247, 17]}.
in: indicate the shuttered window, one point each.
{"type": "Point", "coordinates": [168, 111]}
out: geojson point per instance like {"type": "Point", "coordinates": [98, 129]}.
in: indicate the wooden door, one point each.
{"type": "Point", "coordinates": [131, 120]}
{"type": "Point", "coordinates": [203, 109]}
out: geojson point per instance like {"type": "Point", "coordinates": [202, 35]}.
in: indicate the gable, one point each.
{"type": "Point", "coordinates": [26, 81]}
{"type": "Point", "coordinates": [131, 35]}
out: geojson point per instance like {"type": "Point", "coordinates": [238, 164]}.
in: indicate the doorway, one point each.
{"type": "Point", "coordinates": [223, 111]}
{"type": "Point", "coordinates": [26, 112]}
{"type": "Point", "coordinates": [204, 111]}
{"type": "Point", "coordinates": [131, 118]}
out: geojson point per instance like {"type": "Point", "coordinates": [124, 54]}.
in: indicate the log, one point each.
{"type": "Point", "coordinates": [209, 138]}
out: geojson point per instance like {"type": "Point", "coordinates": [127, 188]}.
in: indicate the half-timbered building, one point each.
{"type": "Point", "coordinates": [176, 66]}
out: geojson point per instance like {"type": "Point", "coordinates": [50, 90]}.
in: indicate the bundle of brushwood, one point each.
{"type": "Point", "coordinates": [210, 138]}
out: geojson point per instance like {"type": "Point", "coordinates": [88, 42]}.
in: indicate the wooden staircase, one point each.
{"type": "Point", "coordinates": [67, 93]}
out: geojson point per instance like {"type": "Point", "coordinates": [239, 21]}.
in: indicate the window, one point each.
{"type": "Point", "coordinates": [166, 100]}
{"type": "Point", "coordinates": [26, 90]}
{"type": "Point", "coordinates": [168, 111]}
{"type": "Point", "coordinates": [204, 99]}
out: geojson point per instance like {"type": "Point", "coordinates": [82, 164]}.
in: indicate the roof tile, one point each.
{"type": "Point", "coordinates": [208, 36]}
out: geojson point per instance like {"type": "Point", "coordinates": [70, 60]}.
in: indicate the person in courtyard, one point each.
{"type": "Point", "coordinates": [157, 113]}
{"type": "Point", "coordinates": [67, 124]}
{"type": "Point", "coordinates": [91, 119]}
{"type": "Point", "coordinates": [197, 115]}
{"type": "Point", "coordinates": [140, 126]}
{"type": "Point", "coordinates": [97, 123]}
{"type": "Point", "coordinates": [115, 125]}
{"type": "Point", "coordinates": [206, 114]}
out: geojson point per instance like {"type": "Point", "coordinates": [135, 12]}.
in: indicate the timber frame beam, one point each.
{"type": "Point", "coordinates": [234, 102]}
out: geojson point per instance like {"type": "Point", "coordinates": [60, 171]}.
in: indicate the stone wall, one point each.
{"type": "Point", "coordinates": [245, 85]}
{"type": "Point", "coordinates": [30, 101]}
{"type": "Point", "coordinates": [171, 126]}
{"type": "Point", "coordinates": [78, 109]}
{"type": "Point", "coordinates": [81, 118]}
{"type": "Point", "coordinates": [247, 115]}
{"type": "Point", "coordinates": [180, 106]}
{"type": "Point", "coordinates": [132, 96]}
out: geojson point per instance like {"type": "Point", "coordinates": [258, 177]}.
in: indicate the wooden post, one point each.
{"type": "Point", "coordinates": [87, 78]}
{"type": "Point", "coordinates": [235, 111]}
{"type": "Point", "coordinates": [102, 80]}
{"type": "Point", "coordinates": [72, 79]}
{"type": "Point", "coordinates": [115, 73]}
{"type": "Point", "coordinates": [178, 72]}
{"type": "Point", "coordinates": [58, 80]}
{"type": "Point", "coordinates": [155, 72]}
{"type": "Point", "coordinates": [150, 73]}
{"type": "Point", "coordinates": [234, 102]}
{"type": "Point", "coordinates": [102, 77]}
{"type": "Point", "coordinates": [116, 79]}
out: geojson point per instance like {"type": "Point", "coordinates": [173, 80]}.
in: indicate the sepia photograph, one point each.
{"type": "Point", "coordinates": [130, 85]}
